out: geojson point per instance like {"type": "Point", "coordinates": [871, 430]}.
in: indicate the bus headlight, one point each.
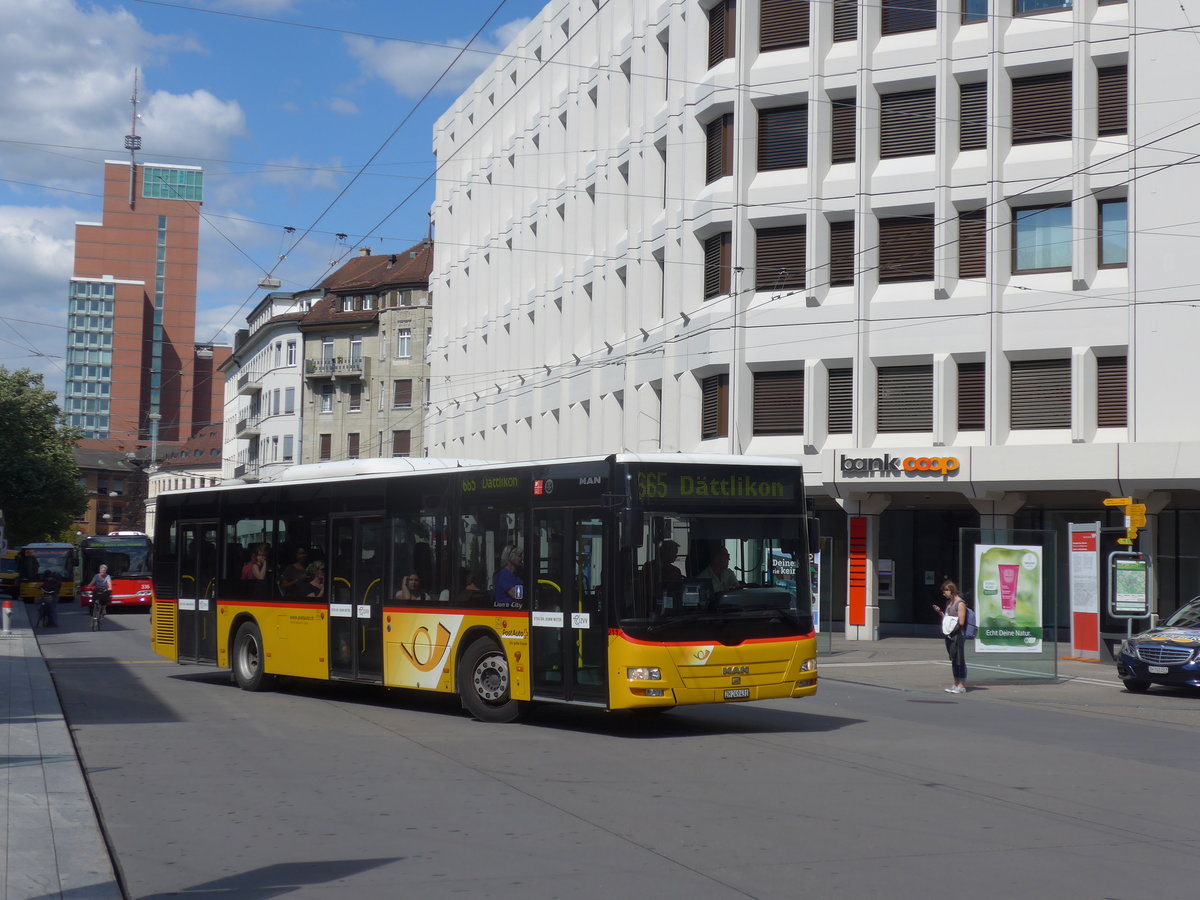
{"type": "Point", "coordinates": [146, 593]}
{"type": "Point", "coordinates": [644, 673]}
{"type": "Point", "coordinates": [809, 665]}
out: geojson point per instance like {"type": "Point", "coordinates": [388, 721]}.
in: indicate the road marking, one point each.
{"type": "Point", "coordinates": [69, 663]}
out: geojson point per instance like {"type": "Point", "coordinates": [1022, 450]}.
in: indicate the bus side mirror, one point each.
{"type": "Point", "coordinates": [814, 534]}
{"type": "Point", "coordinates": [633, 525]}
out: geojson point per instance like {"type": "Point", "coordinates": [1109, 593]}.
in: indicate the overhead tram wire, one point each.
{"type": "Point", "coordinates": [412, 111]}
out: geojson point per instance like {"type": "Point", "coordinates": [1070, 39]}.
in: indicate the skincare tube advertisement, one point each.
{"type": "Point", "coordinates": [1008, 589]}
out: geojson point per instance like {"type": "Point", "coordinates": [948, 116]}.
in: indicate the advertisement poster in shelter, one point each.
{"type": "Point", "coordinates": [1008, 598]}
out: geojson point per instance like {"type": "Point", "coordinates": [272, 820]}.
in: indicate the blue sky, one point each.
{"type": "Point", "coordinates": [280, 101]}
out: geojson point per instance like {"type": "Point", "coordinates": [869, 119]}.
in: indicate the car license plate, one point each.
{"type": "Point", "coordinates": [1158, 670]}
{"type": "Point", "coordinates": [737, 693]}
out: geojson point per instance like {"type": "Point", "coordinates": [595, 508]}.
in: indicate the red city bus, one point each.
{"type": "Point", "coordinates": [128, 557]}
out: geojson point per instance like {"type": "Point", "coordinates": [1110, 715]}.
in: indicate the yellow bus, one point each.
{"type": "Point", "coordinates": [619, 582]}
{"type": "Point", "coordinates": [37, 560]}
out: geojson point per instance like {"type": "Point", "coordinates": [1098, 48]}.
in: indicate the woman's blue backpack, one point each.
{"type": "Point", "coordinates": [972, 627]}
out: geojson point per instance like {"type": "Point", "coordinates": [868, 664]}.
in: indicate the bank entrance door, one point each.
{"type": "Point", "coordinates": [568, 630]}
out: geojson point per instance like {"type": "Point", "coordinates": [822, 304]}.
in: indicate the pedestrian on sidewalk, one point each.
{"type": "Point", "coordinates": [954, 625]}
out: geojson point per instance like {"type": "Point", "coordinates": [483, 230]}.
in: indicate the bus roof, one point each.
{"type": "Point", "coordinates": [359, 468]}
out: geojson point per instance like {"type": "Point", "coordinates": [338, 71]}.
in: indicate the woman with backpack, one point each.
{"type": "Point", "coordinates": [954, 627]}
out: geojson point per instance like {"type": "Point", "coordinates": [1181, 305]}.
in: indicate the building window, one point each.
{"type": "Point", "coordinates": [904, 397]}
{"type": "Point", "coordinates": [326, 443]}
{"type": "Point", "coordinates": [780, 258]}
{"type": "Point", "coordinates": [972, 116]}
{"type": "Point", "coordinates": [842, 130]}
{"type": "Point", "coordinates": [356, 396]}
{"type": "Point", "coordinates": [1113, 100]}
{"type": "Point", "coordinates": [402, 393]}
{"type": "Point", "coordinates": [783, 24]}
{"type": "Point", "coordinates": [779, 402]}
{"type": "Point", "coordinates": [905, 249]}
{"type": "Point", "coordinates": [974, 11]}
{"type": "Point", "coordinates": [782, 138]}
{"type": "Point", "coordinates": [1041, 108]}
{"type": "Point", "coordinates": [1111, 386]}
{"type": "Point", "coordinates": [276, 408]}
{"type": "Point", "coordinates": [326, 398]}
{"type": "Point", "coordinates": [1114, 233]}
{"type": "Point", "coordinates": [1042, 238]}
{"type": "Point", "coordinates": [288, 445]}
{"type": "Point", "coordinates": [1041, 394]}
{"type": "Point", "coordinates": [841, 253]}
{"type": "Point", "coordinates": [972, 243]}
{"type": "Point", "coordinates": [721, 31]}
{"type": "Point", "coordinates": [971, 396]}
{"type": "Point", "coordinates": [278, 354]}
{"type": "Point", "coordinates": [289, 400]}
{"type": "Point", "coordinates": [900, 16]}
{"type": "Point", "coordinates": [907, 123]}
{"type": "Point", "coordinates": [403, 343]}
{"type": "Point", "coordinates": [291, 353]}
{"type": "Point", "coordinates": [327, 349]}
{"type": "Point", "coordinates": [718, 251]}
{"type": "Point", "coordinates": [714, 407]}
{"type": "Point", "coordinates": [401, 443]}
{"type": "Point", "coordinates": [845, 20]}
{"type": "Point", "coordinates": [1035, 6]}
{"type": "Point", "coordinates": [356, 349]}
{"type": "Point", "coordinates": [840, 401]}
{"type": "Point", "coordinates": [719, 148]}
{"type": "Point", "coordinates": [352, 445]}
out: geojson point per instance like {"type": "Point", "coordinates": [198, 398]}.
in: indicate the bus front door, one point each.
{"type": "Point", "coordinates": [568, 631]}
{"type": "Point", "coordinates": [197, 626]}
{"type": "Point", "coordinates": [356, 570]}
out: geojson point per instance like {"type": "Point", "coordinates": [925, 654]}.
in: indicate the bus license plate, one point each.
{"type": "Point", "coordinates": [1158, 670]}
{"type": "Point", "coordinates": [737, 693]}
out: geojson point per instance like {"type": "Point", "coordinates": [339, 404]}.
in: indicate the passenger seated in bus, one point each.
{"type": "Point", "coordinates": [410, 590]}
{"type": "Point", "coordinates": [256, 568]}
{"type": "Point", "coordinates": [719, 573]}
{"type": "Point", "coordinates": [293, 580]}
{"type": "Point", "coordinates": [509, 589]}
{"type": "Point", "coordinates": [315, 574]}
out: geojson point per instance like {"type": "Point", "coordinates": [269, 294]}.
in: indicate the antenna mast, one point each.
{"type": "Point", "coordinates": [133, 143]}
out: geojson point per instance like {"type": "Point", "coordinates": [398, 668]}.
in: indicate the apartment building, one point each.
{"type": "Point", "coordinates": [936, 250]}
{"type": "Point", "coordinates": [365, 362]}
{"type": "Point", "coordinates": [263, 387]}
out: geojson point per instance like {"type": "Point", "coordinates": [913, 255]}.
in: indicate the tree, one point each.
{"type": "Point", "coordinates": [40, 489]}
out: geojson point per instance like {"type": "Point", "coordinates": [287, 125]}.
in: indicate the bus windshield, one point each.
{"type": "Point", "coordinates": [125, 557]}
{"type": "Point", "coordinates": [723, 579]}
{"type": "Point", "coordinates": [37, 562]}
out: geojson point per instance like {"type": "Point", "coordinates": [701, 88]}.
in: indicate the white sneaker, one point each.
{"type": "Point", "coordinates": [953, 689]}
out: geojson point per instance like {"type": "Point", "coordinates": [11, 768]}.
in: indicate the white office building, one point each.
{"type": "Point", "coordinates": [939, 251]}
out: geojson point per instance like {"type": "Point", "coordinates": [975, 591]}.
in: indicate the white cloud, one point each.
{"type": "Point", "coordinates": [343, 107]}
{"type": "Point", "coordinates": [411, 69]}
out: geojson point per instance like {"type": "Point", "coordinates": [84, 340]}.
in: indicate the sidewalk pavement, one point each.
{"type": "Point", "coordinates": [51, 845]}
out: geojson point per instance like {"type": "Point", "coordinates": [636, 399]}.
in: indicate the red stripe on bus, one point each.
{"type": "Point", "coordinates": [617, 632]}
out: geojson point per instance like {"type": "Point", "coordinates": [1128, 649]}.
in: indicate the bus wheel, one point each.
{"type": "Point", "coordinates": [484, 684]}
{"type": "Point", "coordinates": [248, 658]}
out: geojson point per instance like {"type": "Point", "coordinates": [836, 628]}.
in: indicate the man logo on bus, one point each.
{"type": "Point", "coordinates": [422, 644]}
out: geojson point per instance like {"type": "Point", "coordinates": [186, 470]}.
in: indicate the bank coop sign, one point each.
{"type": "Point", "coordinates": [887, 464]}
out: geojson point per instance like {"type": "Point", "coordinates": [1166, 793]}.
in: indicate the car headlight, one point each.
{"type": "Point", "coordinates": [644, 673]}
{"type": "Point", "coordinates": [1128, 648]}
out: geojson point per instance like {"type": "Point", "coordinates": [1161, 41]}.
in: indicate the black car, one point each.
{"type": "Point", "coordinates": [1167, 655]}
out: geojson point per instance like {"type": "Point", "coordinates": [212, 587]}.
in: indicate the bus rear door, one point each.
{"type": "Point", "coordinates": [356, 571]}
{"type": "Point", "coordinates": [568, 631]}
{"type": "Point", "coordinates": [198, 562]}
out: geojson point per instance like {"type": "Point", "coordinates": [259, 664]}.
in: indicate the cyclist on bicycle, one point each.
{"type": "Point", "coordinates": [101, 586]}
{"type": "Point", "coordinates": [51, 585]}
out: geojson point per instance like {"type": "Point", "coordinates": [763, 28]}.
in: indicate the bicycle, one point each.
{"type": "Point", "coordinates": [45, 613]}
{"type": "Point", "coordinates": [99, 609]}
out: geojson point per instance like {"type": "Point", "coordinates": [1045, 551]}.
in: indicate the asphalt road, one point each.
{"type": "Point", "coordinates": [871, 789]}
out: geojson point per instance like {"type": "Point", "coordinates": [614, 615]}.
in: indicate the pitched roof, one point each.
{"type": "Point", "coordinates": [413, 266]}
